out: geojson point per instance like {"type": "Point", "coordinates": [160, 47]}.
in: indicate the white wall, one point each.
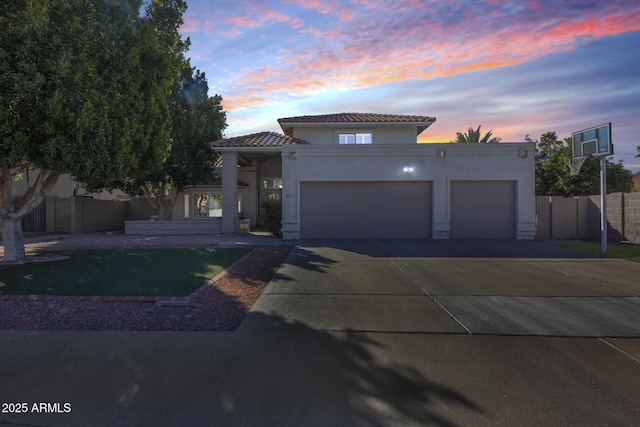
{"type": "Point", "coordinates": [381, 135]}
{"type": "Point", "coordinates": [483, 162]}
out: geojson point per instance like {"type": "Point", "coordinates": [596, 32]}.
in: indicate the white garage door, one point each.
{"type": "Point", "coordinates": [365, 210]}
{"type": "Point", "coordinates": [483, 209]}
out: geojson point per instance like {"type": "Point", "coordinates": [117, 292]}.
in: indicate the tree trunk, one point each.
{"type": "Point", "coordinates": [160, 210]}
{"type": "Point", "coordinates": [174, 199]}
{"type": "Point", "coordinates": [12, 240]}
{"type": "Point", "coordinates": [156, 197]}
{"type": "Point", "coordinates": [12, 211]}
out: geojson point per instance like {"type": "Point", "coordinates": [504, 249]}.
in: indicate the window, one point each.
{"type": "Point", "coordinates": [272, 183]}
{"type": "Point", "coordinates": [207, 205]}
{"type": "Point", "coordinates": [354, 138]}
{"type": "Point", "coordinates": [271, 189]}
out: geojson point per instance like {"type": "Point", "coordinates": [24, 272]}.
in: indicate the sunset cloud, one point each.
{"type": "Point", "coordinates": [266, 53]}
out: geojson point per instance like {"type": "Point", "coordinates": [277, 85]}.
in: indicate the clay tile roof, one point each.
{"type": "Point", "coordinates": [258, 140]}
{"type": "Point", "coordinates": [357, 118]}
{"type": "Point", "coordinates": [423, 122]}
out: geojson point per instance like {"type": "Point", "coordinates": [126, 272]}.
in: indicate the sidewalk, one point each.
{"type": "Point", "coordinates": [118, 240]}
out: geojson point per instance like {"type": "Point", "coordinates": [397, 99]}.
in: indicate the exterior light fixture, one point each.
{"type": "Point", "coordinates": [408, 170]}
{"type": "Point", "coordinates": [442, 153]}
{"type": "Point", "coordinates": [524, 153]}
{"type": "Point", "coordinates": [292, 155]}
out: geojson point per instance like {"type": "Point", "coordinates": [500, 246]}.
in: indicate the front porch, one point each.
{"type": "Point", "coordinates": [260, 155]}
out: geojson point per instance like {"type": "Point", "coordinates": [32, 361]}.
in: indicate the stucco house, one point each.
{"type": "Point", "coordinates": [348, 175]}
{"type": "Point", "coordinates": [361, 175]}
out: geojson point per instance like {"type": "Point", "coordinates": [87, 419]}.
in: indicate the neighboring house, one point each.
{"type": "Point", "coordinates": [365, 176]}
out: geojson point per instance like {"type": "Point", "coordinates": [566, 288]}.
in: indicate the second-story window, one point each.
{"type": "Point", "coordinates": [354, 138]}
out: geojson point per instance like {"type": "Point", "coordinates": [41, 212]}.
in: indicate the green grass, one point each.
{"type": "Point", "coordinates": [626, 251]}
{"type": "Point", "coordinates": [134, 272]}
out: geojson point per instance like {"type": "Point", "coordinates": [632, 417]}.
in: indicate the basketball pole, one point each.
{"type": "Point", "coordinates": [603, 203]}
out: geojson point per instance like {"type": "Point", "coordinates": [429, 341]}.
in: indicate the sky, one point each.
{"type": "Point", "coordinates": [515, 67]}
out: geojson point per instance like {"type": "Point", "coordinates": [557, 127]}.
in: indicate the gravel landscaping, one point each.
{"type": "Point", "coordinates": [218, 306]}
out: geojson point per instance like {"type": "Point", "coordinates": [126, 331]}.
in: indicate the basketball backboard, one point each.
{"type": "Point", "coordinates": [595, 141]}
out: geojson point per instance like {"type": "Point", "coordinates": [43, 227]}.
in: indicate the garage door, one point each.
{"type": "Point", "coordinates": [365, 210]}
{"type": "Point", "coordinates": [483, 209]}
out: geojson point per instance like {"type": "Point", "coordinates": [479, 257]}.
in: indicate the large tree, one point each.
{"type": "Point", "coordinates": [475, 136]}
{"type": "Point", "coordinates": [196, 120]}
{"type": "Point", "coordinates": [83, 90]}
{"type": "Point", "coordinates": [553, 177]}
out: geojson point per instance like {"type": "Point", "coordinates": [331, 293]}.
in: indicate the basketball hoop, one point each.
{"type": "Point", "coordinates": [575, 163]}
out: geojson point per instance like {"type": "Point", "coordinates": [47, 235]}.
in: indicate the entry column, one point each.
{"type": "Point", "coordinates": [229, 192]}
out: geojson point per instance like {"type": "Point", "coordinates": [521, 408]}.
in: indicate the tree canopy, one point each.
{"type": "Point", "coordinates": [553, 177]}
{"type": "Point", "coordinates": [196, 119]}
{"type": "Point", "coordinates": [83, 90]}
{"type": "Point", "coordinates": [474, 136]}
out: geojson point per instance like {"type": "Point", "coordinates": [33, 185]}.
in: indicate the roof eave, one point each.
{"type": "Point", "coordinates": [248, 149]}
{"type": "Point", "coordinates": [423, 127]}
{"type": "Point", "coordinates": [287, 128]}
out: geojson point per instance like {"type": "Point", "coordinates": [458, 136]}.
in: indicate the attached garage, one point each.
{"type": "Point", "coordinates": [483, 209]}
{"type": "Point", "coordinates": [365, 209]}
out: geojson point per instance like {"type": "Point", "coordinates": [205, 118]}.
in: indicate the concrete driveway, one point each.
{"type": "Point", "coordinates": [364, 333]}
{"type": "Point", "coordinates": [497, 287]}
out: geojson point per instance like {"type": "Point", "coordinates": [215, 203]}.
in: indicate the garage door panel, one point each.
{"type": "Point", "coordinates": [365, 209]}
{"type": "Point", "coordinates": [482, 209]}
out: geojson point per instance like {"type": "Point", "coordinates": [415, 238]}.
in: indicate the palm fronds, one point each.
{"type": "Point", "coordinates": [473, 136]}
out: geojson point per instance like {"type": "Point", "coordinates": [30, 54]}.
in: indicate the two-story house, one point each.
{"type": "Point", "coordinates": [354, 175]}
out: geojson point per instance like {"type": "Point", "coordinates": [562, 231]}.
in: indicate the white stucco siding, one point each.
{"type": "Point", "coordinates": [396, 135]}
{"type": "Point", "coordinates": [248, 195]}
{"type": "Point", "coordinates": [317, 135]}
{"type": "Point", "coordinates": [462, 162]}
{"type": "Point", "coordinates": [381, 135]}
{"type": "Point", "coordinates": [271, 168]}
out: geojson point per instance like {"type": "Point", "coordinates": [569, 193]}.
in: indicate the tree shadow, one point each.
{"type": "Point", "coordinates": [271, 260]}
{"type": "Point", "coordinates": [450, 248]}
{"type": "Point", "coordinates": [293, 375]}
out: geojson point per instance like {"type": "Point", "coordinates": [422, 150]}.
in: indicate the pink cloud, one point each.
{"type": "Point", "coordinates": [321, 6]}
{"type": "Point", "coordinates": [374, 50]}
{"type": "Point", "coordinates": [242, 21]}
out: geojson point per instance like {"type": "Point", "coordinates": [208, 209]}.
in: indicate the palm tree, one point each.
{"type": "Point", "coordinates": [474, 136]}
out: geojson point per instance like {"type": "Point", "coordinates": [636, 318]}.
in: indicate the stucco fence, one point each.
{"type": "Point", "coordinates": [579, 217]}
{"type": "Point", "coordinates": [86, 215]}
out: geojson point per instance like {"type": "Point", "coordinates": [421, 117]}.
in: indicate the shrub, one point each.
{"type": "Point", "coordinates": [272, 216]}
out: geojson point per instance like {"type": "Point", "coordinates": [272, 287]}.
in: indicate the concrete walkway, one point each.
{"type": "Point", "coordinates": [365, 333]}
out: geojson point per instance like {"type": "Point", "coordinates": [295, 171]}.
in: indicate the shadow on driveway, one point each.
{"type": "Point", "coordinates": [454, 248]}
{"type": "Point", "coordinates": [299, 377]}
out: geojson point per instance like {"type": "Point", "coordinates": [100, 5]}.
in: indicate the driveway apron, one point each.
{"type": "Point", "coordinates": [348, 285]}
{"type": "Point", "coordinates": [497, 287]}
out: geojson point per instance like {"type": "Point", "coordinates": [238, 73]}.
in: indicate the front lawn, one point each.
{"type": "Point", "coordinates": [125, 272]}
{"type": "Point", "coordinates": [623, 251]}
